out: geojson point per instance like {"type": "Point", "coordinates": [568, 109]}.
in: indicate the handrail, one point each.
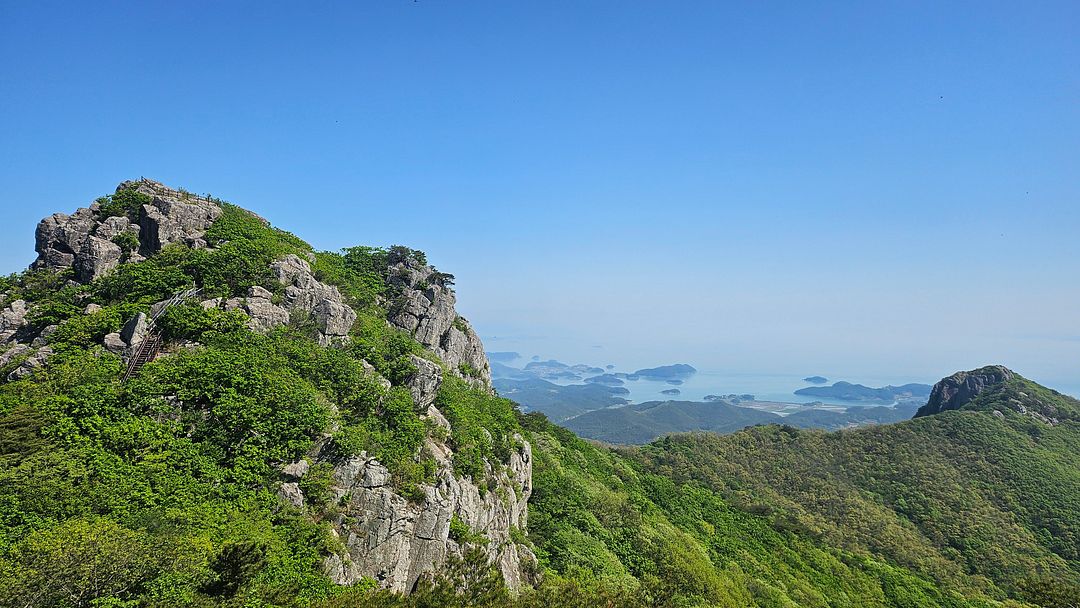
{"type": "Point", "coordinates": [151, 343]}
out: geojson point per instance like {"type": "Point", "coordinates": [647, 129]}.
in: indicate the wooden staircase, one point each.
{"type": "Point", "coordinates": [150, 345]}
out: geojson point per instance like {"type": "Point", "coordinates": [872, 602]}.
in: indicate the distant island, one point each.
{"type": "Point", "coordinates": [605, 379]}
{"type": "Point", "coordinates": [671, 391]}
{"type": "Point", "coordinates": [552, 370]}
{"type": "Point", "coordinates": [846, 391]}
{"type": "Point", "coordinates": [679, 371]}
{"type": "Point", "coordinates": [816, 379]}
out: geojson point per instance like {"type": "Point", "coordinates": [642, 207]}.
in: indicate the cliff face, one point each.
{"type": "Point", "coordinates": [424, 306]}
{"type": "Point", "coordinates": [396, 540]}
{"type": "Point", "coordinates": [387, 536]}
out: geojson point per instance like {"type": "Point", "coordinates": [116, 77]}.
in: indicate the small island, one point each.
{"type": "Point", "coordinates": [604, 379]}
{"type": "Point", "coordinates": [679, 371]}
{"type": "Point", "coordinates": [816, 379]}
{"type": "Point", "coordinates": [671, 391]}
{"type": "Point", "coordinates": [846, 391]}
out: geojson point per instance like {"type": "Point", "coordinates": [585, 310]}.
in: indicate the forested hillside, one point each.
{"type": "Point", "coordinates": [318, 429]}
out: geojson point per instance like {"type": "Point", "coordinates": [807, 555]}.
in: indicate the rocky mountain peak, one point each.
{"type": "Point", "coordinates": [959, 389]}
{"type": "Point", "coordinates": [140, 218]}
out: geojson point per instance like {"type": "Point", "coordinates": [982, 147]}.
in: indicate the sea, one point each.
{"type": "Point", "coordinates": [764, 387]}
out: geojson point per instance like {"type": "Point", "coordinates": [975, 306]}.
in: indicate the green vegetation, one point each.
{"type": "Point", "coordinates": [482, 426]}
{"type": "Point", "coordinates": [162, 491]}
{"type": "Point", "coordinates": [127, 241]}
{"type": "Point", "coordinates": [124, 203]}
{"type": "Point", "coordinates": [975, 502]}
{"type": "Point", "coordinates": [461, 533]}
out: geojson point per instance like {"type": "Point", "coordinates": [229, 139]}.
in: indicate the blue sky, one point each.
{"type": "Point", "coordinates": [858, 189]}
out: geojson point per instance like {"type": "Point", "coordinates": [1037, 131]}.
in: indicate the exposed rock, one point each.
{"type": "Point", "coordinates": [43, 336]}
{"type": "Point", "coordinates": [424, 383]}
{"type": "Point", "coordinates": [381, 380]}
{"type": "Point", "coordinates": [83, 240]}
{"type": "Point", "coordinates": [114, 343]}
{"type": "Point", "coordinates": [114, 226]}
{"type": "Point", "coordinates": [297, 469]}
{"type": "Point", "coordinates": [12, 319]}
{"type": "Point", "coordinates": [96, 257]}
{"type": "Point", "coordinates": [395, 541]}
{"type": "Point", "coordinates": [334, 318]}
{"type": "Point", "coordinates": [92, 309]}
{"type": "Point", "coordinates": [172, 216]}
{"type": "Point", "coordinates": [257, 292]}
{"type": "Point", "coordinates": [33, 362]}
{"type": "Point", "coordinates": [290, 492]}
{"type": "Point", "coordinates": [961, 388]}
{"type": "Point", "coordinates": [135, 329]}
{"type": "Point", "coordinates": [60, 236]}
{"type": "Point", "coordinates": [265, 315]}
{"type": "Point", "coordinates": [306, 294]}
{"type": "Point", "coordinates": [17, 350]}
{"type": "Point", "coordinates": [424, 307]}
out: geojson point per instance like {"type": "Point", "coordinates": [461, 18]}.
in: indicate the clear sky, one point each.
{"type": "Point", "coordinates": [850, 188]}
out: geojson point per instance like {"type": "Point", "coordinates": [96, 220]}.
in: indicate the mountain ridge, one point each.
{"type": "Point", "coordinates": [280, 451]}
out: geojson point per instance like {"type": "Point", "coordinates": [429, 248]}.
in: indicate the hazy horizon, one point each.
{"type": "Point", "coordinates": [835, 189]}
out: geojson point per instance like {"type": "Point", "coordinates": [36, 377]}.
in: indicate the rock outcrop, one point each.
{"type": "Point", "coordinates": [333, 318]}
{"type": "Point", "coordinates": [303, 294]}
{"type": "Point", "coordinates": [389, 534]}
{"type": "Point", "coordinates": [12, 320]}
{"type": "Point", "coordinates": [424, 306]}
{"type": "Point", "coordinates": [87, 240]}
{"type": "Point", "coordinates": [395, 540]}
{"type": "Point", "coordinates": [961, 388]}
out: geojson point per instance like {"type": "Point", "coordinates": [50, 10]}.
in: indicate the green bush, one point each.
{"type": "Point", "coordinates": [482, 426]}
{"type": "Point", "coordinates": [461, 533]}
{"type": "Point", "coordinates": [127, 241]}
{"type": "Point", "coordinates": [127, 203]}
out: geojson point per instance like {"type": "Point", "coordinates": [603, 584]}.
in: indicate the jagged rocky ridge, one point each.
{"type": "Point", "coordinates": [387, 536]}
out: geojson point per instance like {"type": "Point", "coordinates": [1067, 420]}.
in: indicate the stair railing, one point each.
{"type": "Point", "coordinates": [150, 345]}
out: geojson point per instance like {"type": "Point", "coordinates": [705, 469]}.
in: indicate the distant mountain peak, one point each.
{"type": "Point", "coordinates": [1002, 392]}
{"type": "Point", "coordinates": [961, 388]}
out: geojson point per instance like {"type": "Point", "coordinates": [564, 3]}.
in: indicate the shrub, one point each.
{"type": "Point", "coordinates": [127, 203]}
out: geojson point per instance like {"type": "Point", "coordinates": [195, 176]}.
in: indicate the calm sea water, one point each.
{"type": "Point", "coordinates": [764, 387]}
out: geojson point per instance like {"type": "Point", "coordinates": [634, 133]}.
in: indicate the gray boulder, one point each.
{"type": "Point", "coordinates": [258, 305]}
{"type": "Point", "coordinates": [114, 343]}
{"type": "Point", "coordinates": [36, 360]}
{"type": "Point", "coordinates": [172, 216]}
{"type": "Point", "coordinates": [135, 330]}
{"type": "Point", "coordinates": [396, 541]}
{"type": "Point", "coordinates": [296, 470]}
{"type": "Point", "coordinates": [12, 319]}
{"type": "Point", "coordinates": [14, 352]}
{"type": "Point", "coordinates": [96, 257]}
{"type": "Point", "coordinates": [424, 383]}
{"type": "Point", "coordinates": [290, 492]}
